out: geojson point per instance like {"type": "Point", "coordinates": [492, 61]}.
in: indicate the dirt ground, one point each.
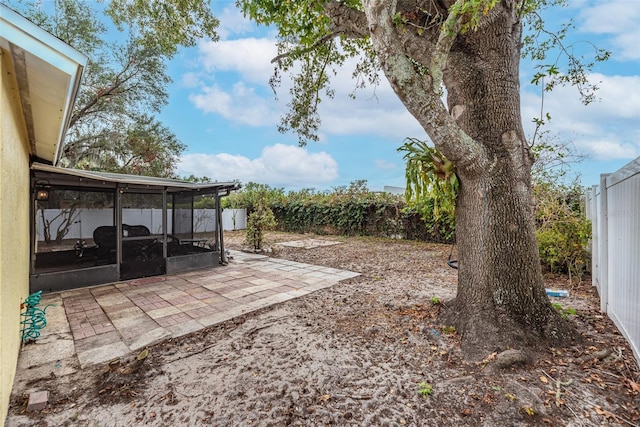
{"type": "Point", "coordinates": [366, 352]}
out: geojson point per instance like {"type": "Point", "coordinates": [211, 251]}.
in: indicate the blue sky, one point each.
{"type": "Point", "coordinates": [222, 108]}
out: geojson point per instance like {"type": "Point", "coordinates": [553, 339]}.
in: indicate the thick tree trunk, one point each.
{"type": "Point", "coordinates": [501, 301]}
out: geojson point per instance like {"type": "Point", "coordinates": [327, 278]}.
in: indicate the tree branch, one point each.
{"type": "Point", "coordinates": [450, 30]}
{"type": "Point", "coordinates": [346, 22]}
{"type": "Point", "coordinates": [305, 50]}
{"type": "Point", "coordinates": [400, 69]}
{"type": "Point", "coordinates": [116, 88]}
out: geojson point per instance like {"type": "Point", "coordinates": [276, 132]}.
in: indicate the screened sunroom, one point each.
{"type": "Point", "coordinates": [91, 228]}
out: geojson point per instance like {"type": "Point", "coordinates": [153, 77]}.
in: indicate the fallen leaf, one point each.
{"type": "Point", "coordinates": [634, 386]}
{"type": "Point", "coordinates": [606, 413]}
{"type": "Point", "coordinates": [325, 397]}
{"type": "Point", "coordinates": [544, 379]}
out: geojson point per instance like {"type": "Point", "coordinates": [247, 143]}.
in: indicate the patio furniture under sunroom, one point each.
{"type": "Point", "coordinates": [91, 228]}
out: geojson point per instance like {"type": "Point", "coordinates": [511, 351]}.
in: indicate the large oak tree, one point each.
{"type": "Point", "coordinates": [471, 49]}
{"type": "Point", "coordinates": [113, 125]}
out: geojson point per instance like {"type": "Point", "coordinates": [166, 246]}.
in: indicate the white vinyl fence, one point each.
{"type": "Point", "coordinates": [614, 210]}
{"type": "Point", "coordinates": [87, 220]}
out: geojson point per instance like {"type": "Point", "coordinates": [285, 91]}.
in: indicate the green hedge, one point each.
{"type": "Point", "coordinates": [350, 211]}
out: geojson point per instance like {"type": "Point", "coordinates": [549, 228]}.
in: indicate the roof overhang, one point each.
{"type": "Point", "coordinates": [82, 178]}
{"type": "Point", "coordinates": [48, 73]}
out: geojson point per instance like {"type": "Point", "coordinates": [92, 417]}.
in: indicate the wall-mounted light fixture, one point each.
{"type": "Point", "coordinates": [42, 194]}
{"type": "Point", "coordinates": [42, 190]}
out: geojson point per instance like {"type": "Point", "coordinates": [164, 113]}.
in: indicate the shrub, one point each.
{"type": "Point", "coordinates": [260, 220]}
{"type": "Point", "coordinates": [563, 232]}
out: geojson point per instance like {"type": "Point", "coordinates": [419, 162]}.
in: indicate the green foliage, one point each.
{"type": "Point", "coordinates": [562, 229]}
{"type": "Point", "coordinates": [470, 12]}
{"type": "Point", "coordinates": [319, 38]}
{"type": "Point", "coordinates": [448, 330]}
{"type": "Point", "coordinates": [249, 195]}
{"type": "Point", "coordinates": [112, 126]}
{"type": "Point", "coordinates": [165, 25]}
{"type": "Point", "coordinates": [435, 300]}
{"type": "Point", "coordinates": [307, 39]}
{"type": "Point", "coordinates": [425, 389]}
{"type": "Point", "coordinates": [146, 147]}
{"type": "Point", "coordinates": [432, 185]}
{"type": "Point", "coordinates": [205, 202]}
{"type": "Point", "coordinates": [352, 210]}
{"type": "Point", "coordinates": [558, 61]}
{"type": "Point", "coordinates": [564, 312]}
{"type": "Point", "coordinates": [553, 159]}
{"type": "Point", "coordinates": [261, 219]}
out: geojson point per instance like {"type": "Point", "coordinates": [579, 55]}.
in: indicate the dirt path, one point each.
{"type": "Point", "coordinates": [366, 352]}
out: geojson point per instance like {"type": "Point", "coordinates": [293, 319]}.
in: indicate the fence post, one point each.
{"type": "Point", "coordinates": [592, 215]}
{"type": "Point", "coordinates": [603, 237]}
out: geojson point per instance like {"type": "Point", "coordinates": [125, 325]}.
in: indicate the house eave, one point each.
{"type": "Point", "coordinates": [48, 73]}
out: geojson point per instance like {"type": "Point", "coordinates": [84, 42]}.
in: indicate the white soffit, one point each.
{"type": "Point", "coordinates": [48, 73]}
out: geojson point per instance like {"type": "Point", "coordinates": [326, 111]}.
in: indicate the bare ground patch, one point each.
{"type": "Point", "coordinates": [368, 351]}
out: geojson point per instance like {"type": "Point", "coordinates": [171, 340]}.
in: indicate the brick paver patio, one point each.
{"type": "Point", "coordinates": [112, 320]}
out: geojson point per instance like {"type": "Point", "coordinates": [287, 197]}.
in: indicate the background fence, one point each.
{"type": "Point", "coordinates": [614, 210]}
{"type": "Point", "coordinates": [87, 220]}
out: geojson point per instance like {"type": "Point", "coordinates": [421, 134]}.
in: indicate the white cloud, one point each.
{"type": "Point", "coordinates": [240, 105]}
{"type": "Point", "coordinates": [190, 80]}
{"type": "Point", "coordinates": [278, 165]}
{"type": "Point", "coordinates": [249, 57]}
{"type": "Point", "coordinates": [383, 116]}
{"type": "Point", "coordinates": [611, 149]}
{"type": "Point", "coordinates": [618, 19]}
{"type": "Point", "coordinates": [383, 164]}
{"type": "Point", "coordinates": [606, 129]}
{"type": "Point", "coordinates": [233, 22]}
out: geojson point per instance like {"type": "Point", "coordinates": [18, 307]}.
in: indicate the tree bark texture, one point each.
{"type": "Point", "coordinates": [501, 302]}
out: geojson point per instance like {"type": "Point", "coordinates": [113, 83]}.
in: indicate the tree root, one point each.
{"type": "Point", "coordinates": [598, 355]}
{"type": "Point", "coordinates": [509, 358]}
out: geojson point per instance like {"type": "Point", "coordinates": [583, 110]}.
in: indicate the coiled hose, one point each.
{"type": "Point", "coordinates": [33, 317]}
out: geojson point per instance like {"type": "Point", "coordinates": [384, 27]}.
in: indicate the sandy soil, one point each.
{"type": "Point", "coordinates": [366, 352]}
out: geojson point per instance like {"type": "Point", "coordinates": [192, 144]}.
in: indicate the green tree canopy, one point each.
{"type": "Point", "coordinates": [113, 127]}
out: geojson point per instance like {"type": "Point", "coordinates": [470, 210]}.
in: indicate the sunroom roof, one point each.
{"type": "Point", "coordinates": [81, 176]}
